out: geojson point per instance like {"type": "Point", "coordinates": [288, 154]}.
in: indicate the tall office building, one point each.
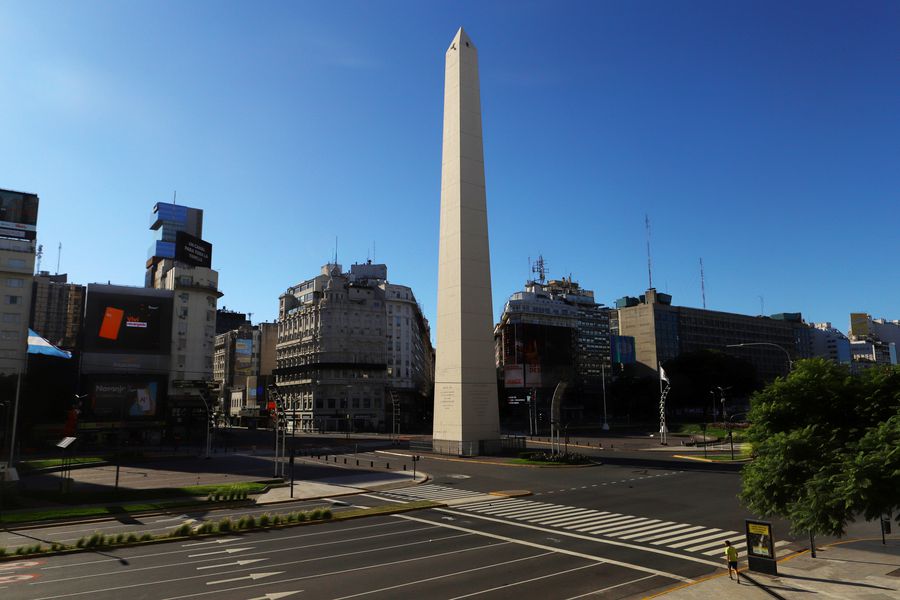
{"type": "Point", "coordinates": [662, 332]}
{"type": "Point", "coordinates": [18, 231]}
{"type": "Point", "coordinates": [57, 309]}
{"type": "Point", "coordinates": [243, 364]}
{"type": "Point", "coordinates": [352, 346]}
{"type": "Point", "coordinates": [180, 261]}
{"type": "Point", "coordinates": [873, 341]}
{"type": "Point", "coordinates": [551, 332]}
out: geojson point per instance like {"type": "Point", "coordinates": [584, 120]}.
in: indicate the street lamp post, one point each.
{"type": "Point", "coordinates": [786, 353]}
{"type": "Point", "coordinates": [603, 381]}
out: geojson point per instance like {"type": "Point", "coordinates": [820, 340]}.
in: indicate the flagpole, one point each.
{"type": "Point", "coordinates": [12, 443]}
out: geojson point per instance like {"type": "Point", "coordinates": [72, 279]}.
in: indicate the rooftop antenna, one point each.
{"type": "Point", "coordinates": [702, 284]}
{"type": "Point", "coordinates": [762, 306]}
{"type": "Point", "coordinates": [40, 255]}
{"type": "Point", "coordinates": [373, 251]}
{"type": "Point", "coordinates": [58, 257]}
{"type": "Point", "coordinates": [540, 268]}
{"type": "Point", "coordinates": [335, 249]}
{"type": "Point", "coordinates": [175, 197]}
{"type": "Point", "coordinates": [649, 262]}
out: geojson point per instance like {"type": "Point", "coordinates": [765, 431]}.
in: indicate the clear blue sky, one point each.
{"type": "Point", "coordinates": [761, 136]}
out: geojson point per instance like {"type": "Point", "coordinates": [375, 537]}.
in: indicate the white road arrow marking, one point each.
{"type": "Point", "coordinates": [276, 595]}
{"type": "Point", "coordinates": [239, 563]}
{"type": "Point", "coordinates": [253, 576]}
{"type": "Point", "coordinates": [228, 551]}
{"type": "Point", "coordinates": [219, 541]}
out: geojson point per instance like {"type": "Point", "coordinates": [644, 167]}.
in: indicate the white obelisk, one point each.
{"type": "Point", "coordinates": [466, 420]}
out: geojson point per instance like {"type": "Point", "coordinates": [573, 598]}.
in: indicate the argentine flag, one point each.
{"type": "Point", "coordinates": [38, 345]}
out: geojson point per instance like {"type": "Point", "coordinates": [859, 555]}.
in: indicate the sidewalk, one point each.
{"type": "Point", "coordinates": [340, 486]}
{"type": "Point", "coordinates": [862, 569]}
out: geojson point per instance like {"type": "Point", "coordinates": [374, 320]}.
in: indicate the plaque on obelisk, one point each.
{"type": "Point", "coordinates": [466, 420]}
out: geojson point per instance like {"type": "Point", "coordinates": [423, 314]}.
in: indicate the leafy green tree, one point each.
{"type": "Point", "coordinates": [827, 447]}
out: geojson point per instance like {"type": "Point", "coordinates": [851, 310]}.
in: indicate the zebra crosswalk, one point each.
{"type": "Point", "coordinates": [683, 537]}
{"type": "Point", "coordinates": [431, 492]}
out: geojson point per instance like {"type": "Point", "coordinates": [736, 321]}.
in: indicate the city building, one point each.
{"type": "Point", "coordinates": [229, 320]}
{"type": "Point", "coordinates": [243, 363]}
{"type": "Point", "coordinates": [661, 332]}
{"type": "Point", "coordinates": [125, 366]}
{"type": "Point", "coordinates": [350, 347]}
{"type": "Point", "coordinates": [57, 309]}
{"type": "Point", "coordinates": [18, 231]}
{"type": "Point", "coordinates": [827, 342]}
{"type": "Point", "coordinates": [181, 262]}
{"type": "Point", "coordinates": [873, 341]}
{"type": "Point", "coordinates": [550, 332]}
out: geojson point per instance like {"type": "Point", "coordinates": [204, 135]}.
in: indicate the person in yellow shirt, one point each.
{"type": "Point", "coordinates": [731, 558]}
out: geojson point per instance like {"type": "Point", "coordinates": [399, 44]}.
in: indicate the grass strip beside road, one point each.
{"type": "Point", "coordinates": [127, 501]}
{"type": "Point", "coordinates": [44, 463]}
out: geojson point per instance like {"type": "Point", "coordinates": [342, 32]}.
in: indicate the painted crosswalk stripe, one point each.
{"type": "Point", "coordinates": [608, 526]}
{"type": "Point", "coordinates": [545, 513]}
{"type": "Point", "coordinates": [599, 522]}
{"type": "Point", "coordinates": [680, 528]}
{"type": "Point", "coordinates": [570, 516]}
{"type": "Point", "coordinates": [721, 550]}
{"type": "Point", "coordinates": [708, 544]}
{"type": "Point", "coordinates": [588, 519]}
{"type": "Point", "coordinates": [616, 531]}
{"type": "Point", "coordinates": [683, 535]}
{"type": "Point", "coordinates": [533, 507]}
{"type": "Point", "coordinates": [721, 536]}
{"type": "Point", "coordinates": [500, 507]}
{"type": "Point", "coordinates": [633, 533]}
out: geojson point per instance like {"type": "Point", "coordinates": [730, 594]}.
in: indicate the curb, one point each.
{"type": "Point", "coordinates": [395, 510]}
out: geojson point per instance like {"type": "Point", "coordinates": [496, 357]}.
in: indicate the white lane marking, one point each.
{"type": "Point", "coordinates": [544, 513]}
{"type": "Point", "coordinates": [508, 585]}
{"type": "Point", "coordinates": [436, 577]}
{"type": "Point", "coordinates": [595, 592]}
{"type": "Point", "coordinates": [552, 549]}
{"type": "Point", "coordinates": [680, 529]}
{"type": "Point", "coordinates": [239, 563]}
{"type": "Point", "coordinates": [251, 576]}
{"type": "Point", "coordinates": [650, 529]}
{"type": "Point", "coordinates": [721, 550]}
{"type": "Point", "coordinates": [706, 545]}
{"type": "Point", "coordinates": [573, 516]}
{"type": "Point", "coordinates": [524, 513]}
{"type": "Point", "coordinates": [275, 595]}
{"type": "Point", "coordinates": [333, 573]}
{"type": "Point", "coordinates": [220, 541]}
{"type": "Point", "coordinates": [226, 551]}
{"type": "Point", "coordinates": [586, 537]}
{"type": "Point", "coordinates": [599, 522]}
{"type": "Point", "coordinates": [258, 541]}
{"type": "Point", "coordinates": [393, 500]}
{"type": "Point", "coordinates": [721, 536]}
{"type": "Point", "coordinates": [683, 535]}
{"type": "Point", "coordinates": [289, 548]}
{"type": "Point", "coordinates": [592, 520]}
{"type": "Point", "coordinates": [614, 531]}
{"type": "Point", "coordinates": [607, 526]}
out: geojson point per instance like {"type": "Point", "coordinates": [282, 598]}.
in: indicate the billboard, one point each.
{"type": "Point", "coordinates": [127, 322]}
{"type": "Point", "coordinates": [18, 215]}
{"type": "Point", "coordinates": [243, 357]}
{"type": "Point", "coordinates": [513, 376]}
{"type": "Point", "coordinates": [622, 349]}
{"type": "Point", "coordinates": [192, 250]}
{"type": "Point", "coordinates": [124, 399]}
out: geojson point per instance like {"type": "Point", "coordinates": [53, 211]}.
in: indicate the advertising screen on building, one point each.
{"type": "Point", "coordinates": [134, 399]}
{"type": "Point", "coordinates": [513, 376]}
{"type": "Point", "coordinates": [18, 215]}
{"type": "Point", "coordinates": [243, 357]}
{"type": "Point", "coordinates": [125, 323]}
{"type": "Point", "coordinates": [622, 349]}
{"type": "Point", "coordinates": [192, 250]}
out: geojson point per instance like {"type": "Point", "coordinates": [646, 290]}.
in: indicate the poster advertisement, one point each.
{"type": "Point", "coordinates": [759, 539]}
{"type": "Point", "coordinates": [513, 376]}
{"type": "Point", "coordinates": [243, 357]}
{"type": "Point", "coordinates": [124, 399]}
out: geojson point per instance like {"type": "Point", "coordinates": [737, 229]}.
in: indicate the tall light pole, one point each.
{"type": "Point", "coordinates": [786, 353]}
{"type": "Point", "coordinates": [603, 380]}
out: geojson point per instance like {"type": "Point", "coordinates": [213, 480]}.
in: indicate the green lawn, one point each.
{"type": "Point", "coordinates": [712, 432]}
{"type": "Point", "coordinates": [43, 463]}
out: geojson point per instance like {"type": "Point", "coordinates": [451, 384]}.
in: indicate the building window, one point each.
{"type": "Point", "coordinates": [319, 403]}
{"type": "Point", "coordinates": [9, 335]}
{"type": "Point", "coordinates": [14, 282]}
{"type": "Point", "coordinates": [331, 403]}
{"type": "Point", "coordinates": [17, 263]}
{"type": "Point", "coordinates": [12, 299]}
{"type": "Point", "coordinates": [12, 318]}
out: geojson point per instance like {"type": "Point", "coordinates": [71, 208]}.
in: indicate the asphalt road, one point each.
{"type": "Point", "coordinates": [633, 525]}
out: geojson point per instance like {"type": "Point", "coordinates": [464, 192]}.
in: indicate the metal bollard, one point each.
{"type": "Point", "coordinates": [371, 464]}
{"type": "Point", "coordinates": [404, 467]}
{"type": "Point", "coordinates": [357, 462]}
{"type": "Point", "coordinates": [387, 465]}
{"type": "Point", "coordinates": [345, 461]}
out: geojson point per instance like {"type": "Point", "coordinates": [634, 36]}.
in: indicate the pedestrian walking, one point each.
{"type": "Point", "coordinates": [731, 558]}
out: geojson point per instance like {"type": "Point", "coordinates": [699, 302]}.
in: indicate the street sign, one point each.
{"type": "Point", "coordinates": [65, 443]}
